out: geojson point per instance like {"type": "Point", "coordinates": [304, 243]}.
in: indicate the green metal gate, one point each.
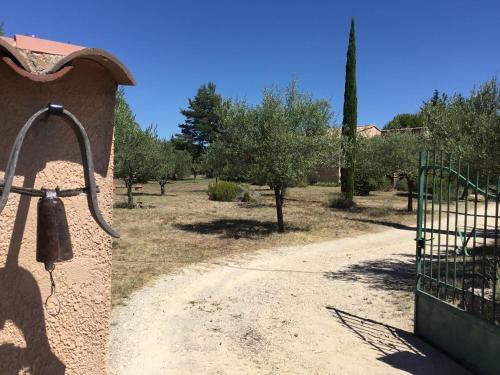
{"type": "Point", "coordinates": [458, 252]}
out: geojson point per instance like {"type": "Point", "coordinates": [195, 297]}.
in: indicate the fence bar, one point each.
{"type": "Point", "coordinates": [474, 243]}
{"type": "Point", "coordinates": [496, 268]}
{"type": "Point", "coordinates": [485, 230]}
{"type": "Point", "coordinates": [426, 197]}
{"type": "Point", "coordinates": [440, 208]}
{"type": "Point", "coordinates": [432, 214]}
{"type": "Point", "coordinates": [457, 193]}
{"type": "Point", "coordinates": [422, 171]}
{"type": "Point", "coordinates": [447, 229]}
{"type": "Point", "coordinates": [466, 203]}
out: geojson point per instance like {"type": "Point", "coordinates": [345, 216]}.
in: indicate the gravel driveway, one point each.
{"type": "Point", "coordinates": [337, 307]}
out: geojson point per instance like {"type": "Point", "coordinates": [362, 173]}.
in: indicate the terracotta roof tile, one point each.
{"type": "Point", "coordinates": [45, 46]}
{"type": "Point", "coordinates": [11, 41]}
{"type": "Point", "coordinates": [45, 60]}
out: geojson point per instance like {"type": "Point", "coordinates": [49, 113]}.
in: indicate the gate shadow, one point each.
{"type": "Point", "coordinates": [398, 348]}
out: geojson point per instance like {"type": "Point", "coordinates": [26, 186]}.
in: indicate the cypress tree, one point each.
{"type": "Point", "coordinates": [350, 118]}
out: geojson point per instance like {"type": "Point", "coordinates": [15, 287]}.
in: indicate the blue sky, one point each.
{"type": "Point", "coordinates": [405, 49]}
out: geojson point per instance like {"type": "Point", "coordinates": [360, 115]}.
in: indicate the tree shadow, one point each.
{"type": "Point", "coordinates": [381, 274]}
{"type": "Point", "coordinates": [304, 200]}
{"type": "Point", "coordinates": [398, 348]}
{"type": "Point", "coordinates": [236, 228]}
{"type": "Point", "coordinates": [143, 194]}
{"type": "Point", "coordinates": [390, 224]}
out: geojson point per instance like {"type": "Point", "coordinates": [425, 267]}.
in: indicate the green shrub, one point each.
{"type": "Point", "coordinates": [364, 184]}
{"type": "Point", "coordinates": [327, 184]}
{"type": "Point", "coordinates": [223, 191]}
{"type": "Point", "coordinates": [246, 197]}
{"type": "Point", "coordinates": [300, 183]}
{"type": "Point", "coordinates": [402, 185]}
{"type": "Point", "coordinates": [340, 201]}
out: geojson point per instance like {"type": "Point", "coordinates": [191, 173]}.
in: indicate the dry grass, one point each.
{"type": "Point", "coordinates": [185, 227]}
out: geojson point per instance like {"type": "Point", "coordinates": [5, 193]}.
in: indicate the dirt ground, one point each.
{"type": "Point", "coordinates": [184, 227]}
{"type": "Point", "coordinates": [338, 307]}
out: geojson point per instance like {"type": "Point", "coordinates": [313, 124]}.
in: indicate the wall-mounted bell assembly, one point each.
{"type": "Point", "coordinates": [53, 236]}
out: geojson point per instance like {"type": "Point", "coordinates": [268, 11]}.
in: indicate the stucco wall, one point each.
{"type": "Point", "coordinates": [75, 341]}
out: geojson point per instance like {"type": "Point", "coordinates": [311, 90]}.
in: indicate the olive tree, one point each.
{"type": "Point", "coordinates": [216, 162]}
{"type": "Point", "coordinates": [394, 153]}
{"type": "Point", "coordinates": [467, 127]}
{"type": "Point", "coordinates": [278, 142]}
{"type": "Point", "coordinates": [163, 163]}
{"type": "Point", "coordinates": [128, 154]}
{"type": "Point", "coordinates": [182, 164]}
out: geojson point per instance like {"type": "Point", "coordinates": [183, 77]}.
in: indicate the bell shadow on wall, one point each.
{"type": "Point", "coordinates": [21, 302]}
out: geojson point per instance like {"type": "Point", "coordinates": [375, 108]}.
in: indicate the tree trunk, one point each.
{"type": "Point", "coordinates": [278, 194]}
{"type": "Point", "coordinates": [130, 196]}
{"type": "Point", "coordinates": [465, 193]}
{"type": "Point", "coordinates": [410, 195]}
{"type": "Point", "coordinates": [162, 187]}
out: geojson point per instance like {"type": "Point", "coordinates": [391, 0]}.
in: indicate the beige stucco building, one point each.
{"type": "Point", "coordinates": [332, 174]}
{"type": "Point", "coordinates": [34, 73]}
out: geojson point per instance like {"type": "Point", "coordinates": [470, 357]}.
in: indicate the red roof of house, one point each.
{"type": "Point", "coordinates": [33, 44]}
{"type": "Point", "coordinates": [40, 59]}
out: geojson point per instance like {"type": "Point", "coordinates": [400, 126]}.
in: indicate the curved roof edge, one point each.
{"type": "Point", "coordinates": [110, 62]}
{"type": "Point", "coordinates": [120, 73]}
{"type": "Point", "coordinates": [14, 53]}
{"type": "Point", "coordinates": [35, 77]}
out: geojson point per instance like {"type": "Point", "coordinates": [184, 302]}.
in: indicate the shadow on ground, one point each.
{"type": "Point", "coordinates": [145, 194]}
{"type": "Point", "coordinates": [384, 223]}
{"type": "Point", "coordinates": [399, 349]}
{"type": "Point", "coordinates": [236, 228]}
{"type": "Point", "coordinates": [382, 274]}
{"type": "Point", "coordinates": [480, 232]}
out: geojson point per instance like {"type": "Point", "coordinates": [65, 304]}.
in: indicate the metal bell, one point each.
{"type": "Point", "coordinates": [53, 238]}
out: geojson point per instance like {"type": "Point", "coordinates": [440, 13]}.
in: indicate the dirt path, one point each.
{"type": "Point", "coordinates": [338, 307]}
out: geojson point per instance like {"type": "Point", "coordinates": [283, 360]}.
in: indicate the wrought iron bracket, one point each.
{"type": "Point", "coordinates": [88, 163]}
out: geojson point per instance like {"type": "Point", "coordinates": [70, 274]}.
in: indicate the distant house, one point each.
{"type": "Point", "coordinates": [368, 131]}
{"type": "Point", "coordinates": [419, 130]}
{"type": "Point", "coordinates": [332, 174]}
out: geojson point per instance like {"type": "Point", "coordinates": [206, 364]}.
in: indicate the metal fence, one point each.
{"type": "Point", "coordinates": [458, 235]}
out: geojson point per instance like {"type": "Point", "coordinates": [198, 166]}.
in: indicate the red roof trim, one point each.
{"type": "Point", "coordinates": [45, 46]}
{"type": "Point", "coordinates": [34, 76]}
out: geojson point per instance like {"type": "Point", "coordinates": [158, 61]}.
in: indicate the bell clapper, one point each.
{"type": "Point", "coordinates": [52, 303]}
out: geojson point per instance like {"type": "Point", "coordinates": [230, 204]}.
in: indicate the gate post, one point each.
{"type": "Point", "coordinates": [420, 242]}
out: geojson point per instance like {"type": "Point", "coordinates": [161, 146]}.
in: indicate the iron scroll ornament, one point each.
{"type": "Point", "coordinates": [87, 158]}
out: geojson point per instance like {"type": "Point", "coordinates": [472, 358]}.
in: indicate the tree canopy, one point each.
{"type": "Point", "coordinates": [141, 155]}
{"type": "Point", "coordinates": [405, 121]}
{"type": "Point", "coordinates": [467, 127]}
{"type": "Point", "coordinates": [350, 119]}
{"type": "Point", "coordinates": [202, 123]}
{"type": "Point", "coordinates": [382, 156]}
{"type": "Point", "coordinates": [276, 143]}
